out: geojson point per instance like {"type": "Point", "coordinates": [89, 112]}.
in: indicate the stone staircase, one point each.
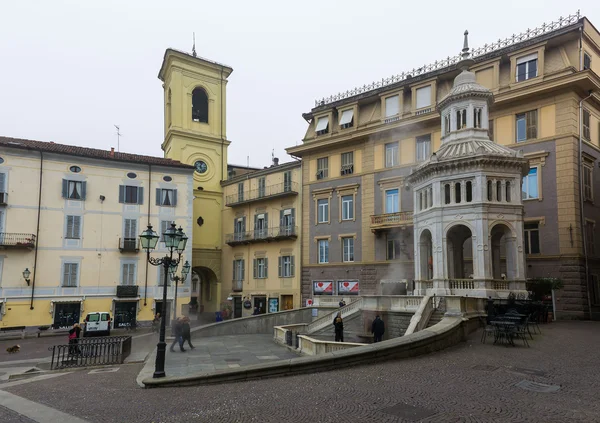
{"type": "Point", "coordinates": [353, 326]}
{"type": "Point", "coordinates": [435, 318]}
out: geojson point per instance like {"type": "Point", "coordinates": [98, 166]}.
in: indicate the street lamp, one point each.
{"type": "Point", "coordinates": [26, 275]}
{"type": "Point", "coordinates": [185, 270]}
{"type": "Point", "coordinates": [175, 241]}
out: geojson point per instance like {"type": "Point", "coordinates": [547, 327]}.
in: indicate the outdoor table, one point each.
{"type": "Point", "coordinates": [503, 329]}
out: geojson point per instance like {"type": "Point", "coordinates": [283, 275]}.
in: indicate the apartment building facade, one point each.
{"type": "Point", "coordinates": [70, 220]}
{"type": "Point", "coordinates": [261, 251]}
{"type": "Point", "coordinates": [361, 145]}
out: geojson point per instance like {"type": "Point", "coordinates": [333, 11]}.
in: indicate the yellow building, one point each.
{"type": "Point", "coordinates": [195, 133]}
{"type": "Point", "coordinates": [72, 217]}
{"type": "Point", "coordinates": [261, 258]}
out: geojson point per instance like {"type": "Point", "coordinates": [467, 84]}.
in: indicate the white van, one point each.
{"type": "Point", "coordinates": [97, 323]}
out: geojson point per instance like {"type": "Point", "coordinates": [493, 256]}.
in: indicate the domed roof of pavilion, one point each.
{"type": "Point", "coordinates": [465, 85]}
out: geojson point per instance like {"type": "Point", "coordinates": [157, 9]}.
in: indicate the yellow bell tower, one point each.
{"type": "Point", "coordinates": [195, 123]}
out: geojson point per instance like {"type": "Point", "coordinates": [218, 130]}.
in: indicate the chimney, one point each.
{"type": "Point", "coordinates": [112, 152]}
{"type": "Point", "coordinates": [275, 161]}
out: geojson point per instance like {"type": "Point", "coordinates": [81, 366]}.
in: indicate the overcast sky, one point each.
{"type": "Point", "coordinates": [69, 70]}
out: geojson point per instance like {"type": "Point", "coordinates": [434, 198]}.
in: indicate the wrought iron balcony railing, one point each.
{"type": "Point", "coordinates": [129, 245]}
{"type": "Point", "coordinates": [10, 240]}
{"type": "Point", "coordinates": [237, 286]}
{"type": "Point", "coordinates": [277, 190]}
{"type": "Point", "coordinates": [391, 220]}
{"type": "Point", "coordinates": [262, 235]}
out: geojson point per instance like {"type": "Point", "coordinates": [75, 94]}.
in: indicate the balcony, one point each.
{"type": "Point", "coordinates": [127, 291]}
{"type": "Point", "coordinates": [262, 235]}
{"type": "Point", "coordinates": [9, 240]}
{"type": "Point", "coordinates": [129, 245]}
{"type": "Point", "coordinates": [3, 198]}
{"type": "Point", "coordinates": [237, 286]}
{"type": "Point", "coordinates": [401, 220]}
{"type": "Point", "coordinates": [253, 195]}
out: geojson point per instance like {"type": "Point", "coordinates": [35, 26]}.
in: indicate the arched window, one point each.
{"type": "Point", "coordinates": [461, 119]}
{"type": "Point", "coordinates": [447, 194]}
{"type": "Point", "coordinates": [508, 191]}
{"type": "Point", "coordinates": [457, 192]}
{"type": "Point", "coordinates": [489, 190]}
{"type": "Point", "coordinates": [425, 201]}
{"type": "Point", "coordinates": [469, 191]}
{"type": "Point", "coordinates": [199, 106]}
{"type": "Point", "coordinates": [498, 191]}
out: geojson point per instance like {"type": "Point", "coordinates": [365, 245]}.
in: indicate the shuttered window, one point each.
{"type": "Point", "coordinates": [70, 271]}
{"type": "Point", "coordinates": [73, 227]}
{"type": "Point", "coordinates": [74, 190]}
{"type": "Point", "coordinates": [286, 266]}
{"type": "Point", "coordinates": [166, 197]}
{"type": "Point", "coordinates": [130, 229]}
{"type": "Point", "coordinates": [131, 195]}
{"type": "Point", "coordinates": [261, 266]}
{"type": "Point", "coordinates": [128, 274]}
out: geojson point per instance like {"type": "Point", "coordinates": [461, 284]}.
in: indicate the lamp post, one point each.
{"type": "Point", "coordinates": [175, 241]}
{"type": "Point", "coordinates": [185, 270]}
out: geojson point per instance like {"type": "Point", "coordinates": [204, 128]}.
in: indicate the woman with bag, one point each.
{"type": "Point", "coordinates": [74, 339]}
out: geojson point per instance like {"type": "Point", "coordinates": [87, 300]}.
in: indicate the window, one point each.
{"type": "Point", "coordinates": [423, 147]}
{"type": "Point", "coordinates": [423, 97]}
{"type": "Point", "coordinates": [286, 221]}
{"type": "Point", "coordinates": [128, 274]}
{"type": "Point", "coordinates": [348, 247]}
{"type": "Point", "coordinates": [323, 251]}
{"type": "Point", "coordinates": [392, 106]}
{"type": "Point", "coordinates": [589, 237]}
{"type": "Point", "coordinates": [166, 197]}
{"type": "Point", "coordinates": [391, 154]}
{"type": "Point", "coordinates": [73, 190]}
{"type": "Point", "coordinates": [588, 192]}
{"type": "Point", "coordinates": [73, 227]}
{"type": "Point", "coordinates": [131, 175]}
{"type": "Point", "coordinates": [491, 129]}
{"type": "Point", "coordinates": [199, 106]}
{"type": "Point", "coordinates": [75, 169]}
{"type": "Point", "coordinates": [457, 192]}
{"type": "Point", "coordinates": [323, 211]}
{"type": "Point", "coordinates": [392, 201]}
{"type": "Point", "coordinates": [167, 178]}
{"type": "Point", "coordinates": [461, 119]}
{"type": "Point", "coordinates": [347, 163]}
{"type": "Point", "coordinates": [530, 185]}
{"type": "Point", "coordinates": [526, 126]}
{"type": "Point", "coordinates": [532, 238]}
{"type": "Point", "coordinates": [447, 198]}
{"type": "Point", "coordinates": [286, 266]}
{"type": "Point", "coordinates": [130, 232]}
{"type": "Point", "coordinates": [287, 181]}
{"type": "Point", "coordinates": [261, 225]}
{"type": "Point", "coordinates": [348, 207]}
{"type": "Point", "coordinates": [469, 189]}
{"type": "Point", "coordinates": [586, 125]}
{"type": "Point", "coordinates": [447, 127]}
{"type": "Point", "coordinates": [260, 268]}
{"type": "Point", "coordinates": [323, 168]}
{"type": "Point", "coordinates": [587, 61]}
{"type": "Point", "coordinates": [347, 119]}
{"type": "Point", "coordinates": [527, 67]}
{"type": "Point", "coordinates": [392, 248]}
{"type": "Point", "coordinates": [498, 191]}
{"type": "Point", "coordinates": [131, 195]}
{"type": "Point", "coordinates": [477, 117]}
{"type": "Point", "coordinates": [262, 186]}
{"type": "Point", "coordinates": [490, 194]}
{"type": "Point", "coordinates": [238, 270]}
{"type": "Point", "coordinates": [322, 125]}
{"type": "Point", "coordinates": [70, 274]}
{"type": "Point", "coordinates": [239, 228]}
{"type": "Point", "coordinates": [507, 193]}
{"type": "Point", "coordinates": [241, 191]}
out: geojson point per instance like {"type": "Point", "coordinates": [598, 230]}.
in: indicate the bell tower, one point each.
{"type": "Point", "coordinates": [195, 134]}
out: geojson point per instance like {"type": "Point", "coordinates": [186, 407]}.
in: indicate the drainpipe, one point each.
{"type": "Point", "coordinates": [37, 230]}
{"type": "Point", "coordinates": [581, 213]}
{"type": "Point", "coordinates": [149, 199]}
{"type": "Point", "coordinates": [221, 113]}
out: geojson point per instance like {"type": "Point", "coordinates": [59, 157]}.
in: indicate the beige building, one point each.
{"type": "Point", "coordinates": [261, 254]}
{"type": "Point", "coordinates": [72, 216]}
{"type": "Point", "coordinates": [361, 145]}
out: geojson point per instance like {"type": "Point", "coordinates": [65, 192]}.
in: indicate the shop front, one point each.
{"type": "Point", "coordinates": [66, 313]}
{"type": "Point", "coordinates": [125, 313]}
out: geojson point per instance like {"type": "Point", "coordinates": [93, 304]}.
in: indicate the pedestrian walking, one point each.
{"type": "Point", "coordinates": [74, 333]}
{"type": "Point", "coordinates": [338, 325]}
{"type": "Point", "coordinates": [177, 332]}
{"type": "Point", "coordinates": [186, 332]}
{"type": "Point", "coordinates": [342, 303]}
{"type": "Point", "coordinates": [156, 323]}
{"type": "Point", "coordinates": [377, 329]}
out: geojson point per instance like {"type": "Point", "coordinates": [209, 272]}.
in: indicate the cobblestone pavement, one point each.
{"type": "Point", "coordinates": [470, 382]}
{"type": "Point", "coordinates": [221, 352]}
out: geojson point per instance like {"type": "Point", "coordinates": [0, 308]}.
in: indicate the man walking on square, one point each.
{"type": "Point", "coordinates": [338, 325]}
{"type": "Point", "coordinates": [186, 334]}
{"type": "Point", "coordinates": [178, 332]}
{"type": "Point", "coordinates": [377, 329]}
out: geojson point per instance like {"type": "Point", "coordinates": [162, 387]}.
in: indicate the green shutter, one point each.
{"type": "Point", "coordinates": [66, 274]}
{"type": "Point", "coordinates": [158, 199]}
{"type": "Point", "coordinates": [280, 267]}
{"type": "Point", "coordinates": [292, 265]}
{"type": "Point", "coordinates": [140, 199]}
{"type": "Point", "coordinates": [65, 188]}
{"type": "Point", "coordinates": [77, 227]}
{"type": "Point", "coordinates": [174, 199]}
{"type": "Point", "coordinates": [69, 233]}
{"type": "Point", "coordinates": [83, 190]}
{"type": "Point", "coordinates": [266, 228]}
{"type": "Point", "coordinates": [243, 269]}
{"type": "Point", "coordinates": [233, 274]}
{"type": "Point", "coordinates": [266, 267]}
{"type": "Point", "coordinates": [293, 218]}
{"type": "Point", "coordinates": [255, 265]}
{"type": "Point", "coordinates": [121, 193]}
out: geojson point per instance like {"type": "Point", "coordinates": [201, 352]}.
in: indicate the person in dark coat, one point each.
{"type": "Point", "coordinates": [178, 332]}
{"type": "Point", "coordinates": [342, 303]}
{"type": "Point", "coordinates": [186, 334]}
{"type": "Point", "coordinates": [338, 325]}
{"type": "Point", "coordinates": [74, 333]}
{"type": "Point", "coordinates": [377, 329]}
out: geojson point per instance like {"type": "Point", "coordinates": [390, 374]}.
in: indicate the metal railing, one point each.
{"type": "Point", "coordinates": [129, 245]}
{"type": "Point", "coordinates": [390, 219]}
{"type": "Point", "coordinates": [91, 352]}
{"type": "Point", "coordinates": [258, 194]}
{"type": "Point", "coordinates": [237, 285]}
{"type": "Point", "coordinates": [452, 60]}
{"type": "Point", "coordinates": [17, 240]}
{"type": "Point", "coordinates": [259, 235]}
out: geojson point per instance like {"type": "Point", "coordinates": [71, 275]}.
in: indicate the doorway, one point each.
{"type": "Point", "coordinates": [237, 307]}
{"type": "Point", "coordinates": [125, 314]}
{"type": "Point", "coordinates": [66, 315]}
{"type": "Point", "coordinates": [261, 303]}
{"type": "Point", "coordinates": [167, 313]}
{"type": "Point", "coordinates": [287, 302]}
